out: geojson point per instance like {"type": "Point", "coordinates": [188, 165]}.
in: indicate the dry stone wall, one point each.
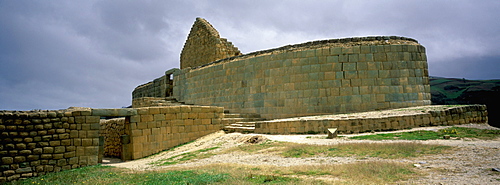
{"type": "Point", "coordinates": [377, 121]}
{"type": "Point", "coordinates": [321, 77]}
{"type": "Point", "coordinates": [37, 142]}
{"type": "Point", "coordinates": [112, 131]}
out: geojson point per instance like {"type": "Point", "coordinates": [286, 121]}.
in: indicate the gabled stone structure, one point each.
{"type": "Point", "coordinates": [204, 45]}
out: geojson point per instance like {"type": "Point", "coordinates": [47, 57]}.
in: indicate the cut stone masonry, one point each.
{"type": "Point", "coordinates": [294, 89]}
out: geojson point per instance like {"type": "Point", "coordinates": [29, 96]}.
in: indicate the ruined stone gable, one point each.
{"type": "Point", "coordinates": [204, 45]}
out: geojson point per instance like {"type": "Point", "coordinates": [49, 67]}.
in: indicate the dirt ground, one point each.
{"type": "Point", "coordinates": [472, 161]}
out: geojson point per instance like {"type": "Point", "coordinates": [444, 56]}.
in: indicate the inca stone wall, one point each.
{"type": "Point", "coordinates": [37, 142]}
{"type": "Point", "coordinates": [155, 129]}
{"type": "Point", "coordinates": [377, 121]}
{"type": "Point", "coordinates": [321, 77]}
{"type": "Point", "coordinates": [160, 87]}
{"type": "Point", "coordinates": [204, 45]}
{"type": "Point", "coordinates": [157, 88]}
{"type": "Point", "coordinates": [112, 130]}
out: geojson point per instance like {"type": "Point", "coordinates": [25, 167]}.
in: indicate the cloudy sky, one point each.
{"type": "Point", "coordinates": [56, 54]}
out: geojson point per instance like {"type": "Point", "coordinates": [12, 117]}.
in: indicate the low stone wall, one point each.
{"type": "Point", "coordinates": [155, 129]}
{"type": "Point", "coordinates": [112, 130]}
{"type": "Point", "coordinates": [377, 120]}
{"type": "Point", "coordinates": [36, 142]}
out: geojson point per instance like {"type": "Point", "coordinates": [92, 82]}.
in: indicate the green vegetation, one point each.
{"type": "Point", "coordinates": [453, 91]}
{"type": "Point", "coordinates": [109, 175]}
{"type": "Point", "coordinates": [374, 172]}
{"type": "Point", "coordinates": [270, 179]}
{"type": "Point", "coordinates": [377, 172]}
{"type": "Point", "coordinates": [360, 150]}
{"type": "Point", "coordinates": [199, 154]}
{"type": "Point", "coordinates": [455, 132]}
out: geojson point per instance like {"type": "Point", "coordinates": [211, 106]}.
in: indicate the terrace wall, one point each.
{"type": "Point", "coordinates": [367, 122]}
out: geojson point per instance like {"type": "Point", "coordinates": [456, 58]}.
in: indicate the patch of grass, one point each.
{"type": "Point", "coordinates": [458, 132]}
{"type": "Point", "coordinates": [382, 150]}
{"type": "Point", "coordinates": [373, 172]}
{"type": "Point", "coordinates": [378, 172]}
{"type": "Point", "coordinates": [270, 179]}
{"type": "Point", "coordinates": [181, 178]}
{"type": "Point", "coordinates": [172, 149]}
{"type": "Point", "coordinates": [417, 135]}
{"type": "Point", "coordinates": [116, 176]}
{"type": "Point", "coordinates": [251, 148]}
{"type": "Point", "coordinates": [463, 132]}
{"type": "Point", "coordinates": [199, 154]}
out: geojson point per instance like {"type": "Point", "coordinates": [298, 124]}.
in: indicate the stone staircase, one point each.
{"type": "Point", "coordinates": [240, 122]}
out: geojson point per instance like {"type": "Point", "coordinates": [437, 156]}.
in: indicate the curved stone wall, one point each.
{"type": "Point", "coordinates": [320, 77]}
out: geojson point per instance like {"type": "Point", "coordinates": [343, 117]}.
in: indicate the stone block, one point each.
{"type": "Point", "coordinates": [7, 160]}
{"type": "Point", "coordinates": [147, 118]}
{"type": "Point", "coordinates": [332, 133]}
{"type": "Point", "coordinates": [87, 142]}
{"type": "Point", "coordinates": [159, 117]}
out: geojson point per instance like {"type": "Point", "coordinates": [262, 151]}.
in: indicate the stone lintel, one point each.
{"type": "Point", "coordinates": [114, 112]}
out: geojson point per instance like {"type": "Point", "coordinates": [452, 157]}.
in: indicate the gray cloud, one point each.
{"type": "Point", "coordinates": [58, 54]}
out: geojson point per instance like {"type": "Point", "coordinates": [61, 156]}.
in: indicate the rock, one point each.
{"type": "Point", "coordinates": [256, 139]}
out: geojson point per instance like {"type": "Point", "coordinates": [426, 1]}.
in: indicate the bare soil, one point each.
{"type": "Point", "coordinates": [470, 162]}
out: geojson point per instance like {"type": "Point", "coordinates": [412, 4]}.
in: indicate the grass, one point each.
{"type": "Point", "coordinates": [373, 172]}
{"type": "Point", "coordinates": [363, 150]}
{"type": "Point", "coordinates": [377, 172]}
{"type": "Point", "coordinates": [360, 150]}
{"type": "Point", "coordinates": [455, 132]}
{"type": "Point", "coordinates": [199, 154]}
{"type": "Point", "coordinates": [117, 176]}
{"type": "Point", "coordinates": [369, 172]}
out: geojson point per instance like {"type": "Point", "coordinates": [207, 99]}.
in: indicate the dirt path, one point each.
{"type": "Point", "coordinates": [470, 163]}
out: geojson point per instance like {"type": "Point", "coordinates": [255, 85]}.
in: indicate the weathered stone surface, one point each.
{"type": "Point", "coordinates": [204, 45]}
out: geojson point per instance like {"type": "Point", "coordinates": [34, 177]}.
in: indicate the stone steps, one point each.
{"type": "Point", "coordinates": [234, 115]}
{"type": "Point", "coordinates": [243, 123]}
{"type": "Point", "coordinates": [244, 130]}
{"type": "Point", "coordinates": [229, 121]}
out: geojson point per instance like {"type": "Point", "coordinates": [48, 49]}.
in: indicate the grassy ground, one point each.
{"type": "Point", "coordinates": [378, 172]}
{"type": "Point", "coordinates": [453, 132]}
{"type": "Point", "coordinates": [359, 150]}
{"type": "Point", "coordinates": [360, 172]}
{"type": "Point", "coordinates": [364, 172]}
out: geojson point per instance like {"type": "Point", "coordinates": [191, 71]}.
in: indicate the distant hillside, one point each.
{"type": "Point", "coordinates": [446, 91]}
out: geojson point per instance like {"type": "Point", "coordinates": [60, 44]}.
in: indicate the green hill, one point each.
{"type": "Point", "coordinates": [447, 91]}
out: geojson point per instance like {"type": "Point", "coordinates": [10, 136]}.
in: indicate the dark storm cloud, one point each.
{"type": "Point", "coordinates": [56, 54]}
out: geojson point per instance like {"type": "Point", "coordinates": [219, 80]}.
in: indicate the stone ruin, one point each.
{"type": "Point", "coordinates": [294, 89]}
{"type": "Point", "coordinates": [320, 77]}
